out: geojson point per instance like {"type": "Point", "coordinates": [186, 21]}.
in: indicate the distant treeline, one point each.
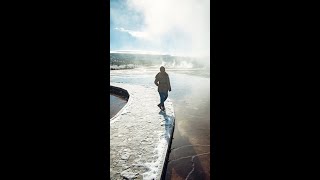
{"type": "Point", "coordinates": [120, 59]}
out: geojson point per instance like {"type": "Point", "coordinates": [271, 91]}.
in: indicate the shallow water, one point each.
{"type": "Point", "coordinates": [116, 104]}
{"type": "Point", "coordinates": [190, 155]}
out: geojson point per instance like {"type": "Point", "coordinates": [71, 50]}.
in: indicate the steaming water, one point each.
{"type": "Point", "coordinates": [190, 155]}
{"type": "Point", "coordinates": [116, 104]}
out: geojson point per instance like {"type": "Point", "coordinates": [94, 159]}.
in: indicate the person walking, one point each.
{"type": "Point", "coordinates": [162, 80]}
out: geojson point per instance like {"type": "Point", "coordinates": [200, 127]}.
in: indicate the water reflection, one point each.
{"type": "Point", "coordinates": [190, 155]}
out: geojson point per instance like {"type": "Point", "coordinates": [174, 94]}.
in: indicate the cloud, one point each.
{"type": "Point", "coordinates": [137, 34]}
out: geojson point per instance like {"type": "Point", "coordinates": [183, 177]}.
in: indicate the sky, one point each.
{"type": "Point", "coordinates": [175, 27]}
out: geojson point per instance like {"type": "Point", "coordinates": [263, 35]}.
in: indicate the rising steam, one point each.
{"type": "Point", "coordinates": [176, 27]}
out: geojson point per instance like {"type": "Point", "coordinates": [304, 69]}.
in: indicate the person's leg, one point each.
{"type": "Point", "coordinates": [161, 98]}
{"type": "Point", "coordinates": [159, 105]}
{"type": "Point", "coordinates": [165, 96]}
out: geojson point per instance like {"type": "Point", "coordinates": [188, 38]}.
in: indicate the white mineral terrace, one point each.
{"type": "Point", "coordinates": [140, 135]}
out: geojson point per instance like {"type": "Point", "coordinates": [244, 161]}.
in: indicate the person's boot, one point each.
{"type": "Point", "coordinates": [163, 108]}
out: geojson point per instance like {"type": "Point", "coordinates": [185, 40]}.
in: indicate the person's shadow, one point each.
{"type": "Point", "coordinates": [169, 124]}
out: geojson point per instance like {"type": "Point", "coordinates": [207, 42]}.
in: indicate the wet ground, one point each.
{"type": "Point", "coordinates": [116, 104]}
{"type": "Point", "coordinates": [190, 155]}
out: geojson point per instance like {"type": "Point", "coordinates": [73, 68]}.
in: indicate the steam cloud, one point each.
{"type": "Point", "coordinates": [178, 27]}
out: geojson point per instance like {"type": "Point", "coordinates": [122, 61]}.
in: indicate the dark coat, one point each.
{"type": "Point", "coordinates": [163, 82]}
